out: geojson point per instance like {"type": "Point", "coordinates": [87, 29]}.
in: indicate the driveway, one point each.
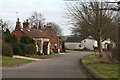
{"type": "Point", "coordinates": [62, 66]}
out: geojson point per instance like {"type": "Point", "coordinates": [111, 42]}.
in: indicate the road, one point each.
{"type": "Point", "coordinates": [62, 66]}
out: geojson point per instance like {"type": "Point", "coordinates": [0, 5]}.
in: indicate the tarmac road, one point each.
{"type": "Point", "coordinates": [63, 66]}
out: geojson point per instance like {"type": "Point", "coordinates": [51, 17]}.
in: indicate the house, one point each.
{"type": "Point", "coordinates": [80, 43]}
{"type": "Point", "coordinates": [54, 39]}
{"type": "Point", "coordinates": [84, 42]}
{"type": "Point", "coordinates": [44, 39]}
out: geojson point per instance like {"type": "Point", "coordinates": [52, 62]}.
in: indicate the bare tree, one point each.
{"type": "Point", "coordinates": [56, 29]}
{"type": "Point", "coordinates": [89, 18]}
{"type": "Point", "coordinates": [4, 25]}
{"type": "Point", "coordinates": [36, 20]}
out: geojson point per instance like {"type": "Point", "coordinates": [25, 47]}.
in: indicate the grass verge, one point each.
{"type": "Point", "coordinates": [100, 66]}
{"type": "Point", "coordinates": [11, 62]}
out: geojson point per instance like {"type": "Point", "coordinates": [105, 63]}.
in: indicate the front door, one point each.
{"type": "Point", "coordinates": [45, 49]}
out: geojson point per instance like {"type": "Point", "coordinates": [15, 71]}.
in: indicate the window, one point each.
{"type": "Point", "coordinates": [79, 45]}
{"type": "Point", "coordinates": [84, 41]}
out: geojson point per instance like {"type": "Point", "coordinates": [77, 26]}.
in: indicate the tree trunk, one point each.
{"type": "Point", "coordinates": [100, 48]}
{"type": "Point", "coordinates": [100, 45]}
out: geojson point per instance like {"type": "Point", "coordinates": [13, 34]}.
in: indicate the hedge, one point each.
{"type": "Point", "coordinates": [18, 49]}
{"type": "Point", "coordinates": [30, 49]}
{"type": "Point", "coordinates": [24, 49]}
{"type": "Point", "coordinates": [7, 49]}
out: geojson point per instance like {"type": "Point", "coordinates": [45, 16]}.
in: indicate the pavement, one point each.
{"type": "Point", "coordinates": [63, 66]}
{"type": "Point", "coordinates": [22, 57]}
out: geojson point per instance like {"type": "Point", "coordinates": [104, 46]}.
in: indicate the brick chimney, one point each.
{"type": "Point", "coordinates": [26, 24]}
{"type": "Point", "coordinates": [49, 25]}
{"type": "Point", "coordinates": [39, 26]}
{"type": "Point", "coordinates": [18, 25]}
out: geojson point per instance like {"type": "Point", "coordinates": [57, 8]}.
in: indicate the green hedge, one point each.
{"type": "Point", "coordinates": [30, 49]}
{"type": "Point", "coordinates": [24, 49]}
{"type": "Point", "coordinates": [18, 49]}
{"type": "Point", "coordinates": [7, 49]}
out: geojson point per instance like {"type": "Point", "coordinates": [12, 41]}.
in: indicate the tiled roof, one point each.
{"type": "Point", "coordinates": [75, 39]}
{"type": "Point", "coordinates": [34, 33]}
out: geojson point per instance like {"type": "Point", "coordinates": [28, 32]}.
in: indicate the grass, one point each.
{"type": "Point", "coordinates": [101, 66]}
{"type": "Point", "coordinates": [11, 62]}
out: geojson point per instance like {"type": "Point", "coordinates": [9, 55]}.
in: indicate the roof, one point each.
{"type": "Point", "coordinates": [34, 33]}
{"type": "Point", "coordinates": [75, 39]}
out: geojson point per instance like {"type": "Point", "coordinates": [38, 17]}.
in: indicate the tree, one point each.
{"type": "Point", "coordinates": [4, 25]}
{"type": "Point", "coordinates": [88, 18]}
{"type": "Point", "coordinates": [26, 40]}
{"type": "Point", "coordinates": [36, 20]}
{"type": "Point", "coordinates": [56, 29]}
{"type": "Point", "coordinates": [10, 38]}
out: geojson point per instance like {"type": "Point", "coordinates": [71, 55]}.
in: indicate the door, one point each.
{"type": "Point", "coordinates": [45, 48]}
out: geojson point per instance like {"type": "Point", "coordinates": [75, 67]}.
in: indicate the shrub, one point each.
{"type": "Point", "coordinates": [55, 50]}
{"type": "Point", "coordinates": [7, 50]}
{"type": "Point", "coordinates": [51, 52]}
{"type": "Point", "coordinates": [26, 40]}
{"type": "Point", "coordinates": [10, 38]}
{"type": "Point", "coordinates": [18, 49]}
{"type": "Point", "coordinates": [30, 49]}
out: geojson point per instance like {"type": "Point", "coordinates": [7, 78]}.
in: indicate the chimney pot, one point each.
{"type": "Point", "coordinates": [26, 24]}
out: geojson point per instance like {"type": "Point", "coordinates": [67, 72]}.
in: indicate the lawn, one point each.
{"type": "Point", "coordinates": [10, 62]}
{"type": "Point", "coordinates": [101, 66]}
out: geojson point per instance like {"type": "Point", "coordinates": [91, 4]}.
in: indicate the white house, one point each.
{"type": "Point", "coordinates": [80, 43]}
{"type": "Point", "coordinates": [84, 42]}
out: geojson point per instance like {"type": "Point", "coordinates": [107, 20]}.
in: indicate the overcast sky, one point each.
{"type": "Point", "coordinates": [53, 11]}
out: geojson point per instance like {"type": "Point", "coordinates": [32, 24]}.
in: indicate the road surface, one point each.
{"type": "Point", "coordinates": [63, 66]}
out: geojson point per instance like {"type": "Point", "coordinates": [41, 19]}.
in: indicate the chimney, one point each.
{"type": "Point", "coordinates": [18, 25]}
{"type": "Point", "coordinates": [39, 25]}
{"type": "Point", "coordinates": [49, 25]}
{"type": "Point", "coordinates": [44, 25]}
{"type": "Point", "coordinates": [26, 24]}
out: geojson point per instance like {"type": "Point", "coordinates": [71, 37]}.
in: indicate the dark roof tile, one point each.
{"type": "Point", "coordinates": [75, 39]}
{"type": "Point", "coordinates": [35, 33]}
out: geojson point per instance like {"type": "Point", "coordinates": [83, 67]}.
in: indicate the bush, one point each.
{"type": "Point", "coordinates": [55, 50]}
{"type": "Point", "coordinates": [30, 49]}
{"type": "Point", "coordinates": [51, 52]}
{"type": "Point", "coordinates": [26, 40]}
{"type": "Point", "coordinates": [10, 38]}
{"type": "Point", "coordinates": [7, 50]}
{"type": "Point", "coordinates": [19, 49]}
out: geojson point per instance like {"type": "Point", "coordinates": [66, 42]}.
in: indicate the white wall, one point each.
{"type": "Point", "coordinates": [89, 43]}
{"type": "Point", "coordinates": [104, 42]}
{"type": "Point", "coordinates": [72, 45]}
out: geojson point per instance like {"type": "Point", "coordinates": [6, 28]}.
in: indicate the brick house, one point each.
{"type": "Point", "coordinates": [54, 39]}
{"type": "Point", "coordinates": [44, 38]}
